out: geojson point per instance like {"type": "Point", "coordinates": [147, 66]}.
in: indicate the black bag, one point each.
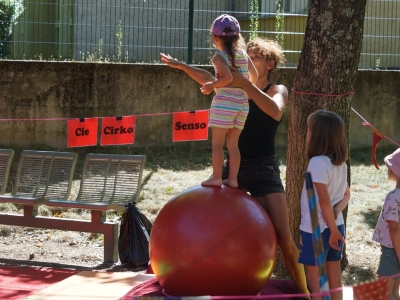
{"type": "Point", "coordinates": [134, 234]}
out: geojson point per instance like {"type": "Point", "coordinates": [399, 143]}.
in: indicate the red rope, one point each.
{"type": "Point", "coordinates": [64, 119]}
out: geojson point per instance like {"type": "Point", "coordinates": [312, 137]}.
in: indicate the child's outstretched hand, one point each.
{"type": "Point", "coordinates": [207, 88]}
{"type": "Point", "coordinates": [168, 60]}
{"type": "Point", "coordinates": [334, 239]}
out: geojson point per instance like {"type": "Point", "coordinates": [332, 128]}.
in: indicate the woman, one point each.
{"type": "Point", "coordinates": [259, 170]}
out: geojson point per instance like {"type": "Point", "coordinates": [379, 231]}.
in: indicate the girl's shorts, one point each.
{"type": "Point", "coordinates": [229, 110]}
{"type": "Point", "coordinates": [307, 256]}
{"type": "Point", "coordinates": [388, 263]}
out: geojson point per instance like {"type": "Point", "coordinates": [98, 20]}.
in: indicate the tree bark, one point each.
{"type": "Point", "coordinates": [324, 79]}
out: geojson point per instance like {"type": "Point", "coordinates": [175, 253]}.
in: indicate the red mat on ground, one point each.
{"type": "Point", "coordinates": [151, 287]}
{"type": "Point", "coordinates": [19, 283]}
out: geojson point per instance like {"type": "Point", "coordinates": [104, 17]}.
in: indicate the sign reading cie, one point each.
{"type": "Point", "coordinates": [84, 132]}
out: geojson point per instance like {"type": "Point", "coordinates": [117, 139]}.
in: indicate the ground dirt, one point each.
{"type": "Point", "coordinates": [56, 249]}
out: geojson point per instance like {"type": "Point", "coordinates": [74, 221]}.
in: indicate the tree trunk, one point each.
{"type": "Point", "coordinates": [324, 80]}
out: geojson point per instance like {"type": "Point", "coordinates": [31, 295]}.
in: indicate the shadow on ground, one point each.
{"type": "Point", "coordinates": [356, 275]}
{"type": "Point", "coordinates": [371, 216]}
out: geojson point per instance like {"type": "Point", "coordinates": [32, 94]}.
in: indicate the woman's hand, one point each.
{"type": "Point", "coordinates": [238, 79]}
{"type": "Point", "coordinates": [172, 62]}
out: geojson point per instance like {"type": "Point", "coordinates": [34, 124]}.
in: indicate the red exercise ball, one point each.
{"type": "Point", "coordinates": [212, 241]}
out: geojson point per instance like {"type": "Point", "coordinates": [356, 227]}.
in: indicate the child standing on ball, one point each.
{"type": "Point", "coordinates": [387, 230]}
{"type": "Point", "coordinates": [327, 151]}
{"type": "Point", "coordinates": [230, 106]}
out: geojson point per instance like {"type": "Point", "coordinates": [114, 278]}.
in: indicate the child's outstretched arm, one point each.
{"type": "Point", "coordinates": [327, 212]}
{"type": "Point", "coordinates": [394, 230]}
{"type": "Point", "coordinates": [342, 203]}
{"type": "Point", "coordinates": [200, 75]}
{"type": "Point", "coordinates": [224, 75]}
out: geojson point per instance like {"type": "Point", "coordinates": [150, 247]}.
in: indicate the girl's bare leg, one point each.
{"type": "Point", "coordinates": [218, 141]}
{"type": "Point", "coordinates": [334, 278]}
{"type": "Point", "coordinates": [234, 157]}
{"type": "Point", "coordinates": [313, 280]}
{"type": "Point", "coordinates": [393, 288]}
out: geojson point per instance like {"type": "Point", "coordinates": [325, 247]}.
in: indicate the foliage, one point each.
{"type": "Point", "coordinates": [280, 24]}
{"type": "Point", "coordinates": [100, 50]}
{"type": "Point", "coordinates": [254, 19]}
{"type": "Point", "coordinates": [378, 63]}
{"type": "Point", "coordinates": [10, 10]}
{"type": "Point", "coordinates": [119, 35]}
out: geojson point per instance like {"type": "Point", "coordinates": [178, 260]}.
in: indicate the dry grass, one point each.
{"type": "Point", "coordinates": [170, 171]}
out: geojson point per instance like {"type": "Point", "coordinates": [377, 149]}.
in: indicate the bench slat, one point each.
{"type": "Point", "coordinates": [6, 156]}
{"type": "Point", "coordinates": [111, 178]}
{"type": "Point", "coordinates": [45, 174]}
{"type": "Point", "coordinates": [21, 199]}
{"type": "Point", "coordinates": [74, 204]}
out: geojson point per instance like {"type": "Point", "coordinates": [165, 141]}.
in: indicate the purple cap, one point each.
{"type": "Point", "coordinates": [225, 25]}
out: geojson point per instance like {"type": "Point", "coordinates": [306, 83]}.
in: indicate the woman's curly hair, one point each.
{"type": "Point", "coordinates": [269, 49]}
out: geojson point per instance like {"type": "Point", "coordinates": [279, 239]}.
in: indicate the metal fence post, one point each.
{"type": "Point", "coordinates": [190, 33]}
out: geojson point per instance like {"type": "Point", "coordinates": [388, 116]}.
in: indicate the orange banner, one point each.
{"type": "Point", "coordinates": [82, 132]}
{"type": "Point", "coordinates": [372, 290]}
{"type": "Point", "coordinates": [376, 138]}
{"type": "Point", "coordinates": [118, 130]}
{"type": "Point", "coordinates": [190, 126]}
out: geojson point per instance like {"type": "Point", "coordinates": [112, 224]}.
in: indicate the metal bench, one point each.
{"type": "Point", "coordinates": [6, 156]}
{"type": "Point", "coordinates": [108, 181]}
{"type": "Point", "coordinates": [40, 175]}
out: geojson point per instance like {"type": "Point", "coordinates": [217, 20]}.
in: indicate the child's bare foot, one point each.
{"type": "Point", "coordinates": [212, 182]}
{"type": "Point", "coordinates": [231, 183]}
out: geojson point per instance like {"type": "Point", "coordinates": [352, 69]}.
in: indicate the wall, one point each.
{"type": "Point", "coordinates": [52, 92]}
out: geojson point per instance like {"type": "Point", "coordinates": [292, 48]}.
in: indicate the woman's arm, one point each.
{"type": "Point", "coordinates": [273, 106]}
{"type": "Point", "coordinates": [200, 75]}
{"type": "Point", "coordinates": [327, 212]}
{"type": "Point", "coordinates": [342, 203]}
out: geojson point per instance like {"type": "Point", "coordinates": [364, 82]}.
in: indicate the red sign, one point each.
{"type": "Point", "coordinates": [118, 130]}
{"type": "Point", "coordinates": [190, 126]}
{"type": "Point", "coordinates": [82, 132]}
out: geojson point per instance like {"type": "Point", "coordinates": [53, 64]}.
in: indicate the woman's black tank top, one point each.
{"type": "Point", "coordinates": [258, 135]}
